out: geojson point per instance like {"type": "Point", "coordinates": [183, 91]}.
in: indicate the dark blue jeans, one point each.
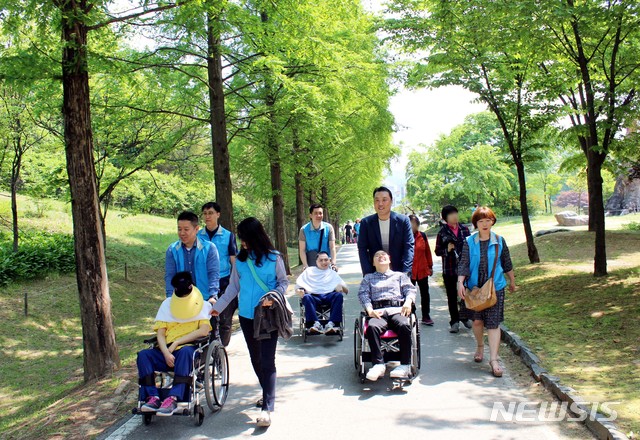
{"type": "Point", "coordinates": [263, 360]}
{"type": "Point", "coordinates": [152, 359]}
{"type": "Point", "coordinates": [312, 300]}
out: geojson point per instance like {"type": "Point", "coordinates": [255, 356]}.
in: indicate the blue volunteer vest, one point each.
{"type": "Point", "coordinates": [312, 237]}
{"type": "Point", "coordinates": [250, 291]}
{"type": "Point", "coordinates": [473, 241]}
{"type": "Point", "coordinates": [199, 264]}
{"type": "Point", "coordinates": [221, 242]}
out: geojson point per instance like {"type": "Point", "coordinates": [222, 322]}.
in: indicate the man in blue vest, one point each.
{"type": "Point", "coordinates": [225, 242]}
{"type": "Point", "coordinates": [316, 236]}
{"type": "Point", "coordinates": [198, 257]}
{"type": "Point", "coordinates": [388, 231]}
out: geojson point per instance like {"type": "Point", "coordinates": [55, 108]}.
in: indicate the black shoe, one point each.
{"type": "Point", "coordinates": [259, 403]}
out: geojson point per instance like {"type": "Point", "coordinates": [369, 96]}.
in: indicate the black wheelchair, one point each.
{"type": "Point", "coordinates": [209, 380]}
{"type": "Point", "coordinates": [323, 312]}
{"type": "Point", "coordinates": [390, 348]}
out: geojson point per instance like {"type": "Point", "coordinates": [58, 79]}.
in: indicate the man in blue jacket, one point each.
{"type": "Point", "coordinates": [225, 242]}
{"type": "Point", "coordinates": [388, 231]}
{"type": "Point", "coordinates": [198, 257]}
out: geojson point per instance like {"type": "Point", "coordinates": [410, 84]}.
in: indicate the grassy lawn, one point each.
{"type": "Point", "coordinates": [41, 360]}
{"type": "Point", "coordinates": [585, 329]}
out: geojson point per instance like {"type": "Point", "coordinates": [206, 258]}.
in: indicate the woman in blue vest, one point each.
{"type": "Point", "coordinates": [258, 269]}
{"type": "Point", "coordinates": [474, 267]}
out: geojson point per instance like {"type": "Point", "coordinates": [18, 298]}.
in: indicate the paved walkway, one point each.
{"type": "Point", "coordinates": [320, 397]}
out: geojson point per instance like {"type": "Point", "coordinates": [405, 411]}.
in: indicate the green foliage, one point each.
{"type": "Point", "coordinates": [463, 168]}
{"type": "Point", "coordinates": [631, 226]}
{"type": "Point", "coordinates": [40, 253]}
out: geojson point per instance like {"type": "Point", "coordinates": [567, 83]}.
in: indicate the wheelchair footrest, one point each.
{"type": "Point", "coordinates": [183, 409]}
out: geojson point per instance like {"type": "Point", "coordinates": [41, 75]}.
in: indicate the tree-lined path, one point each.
{"type": "Point", "coordinates": [319, 395]}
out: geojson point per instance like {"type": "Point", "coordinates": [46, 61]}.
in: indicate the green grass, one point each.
{"type": "Point", "coordinates": [584, 329]}
{"type": "Point", "coordinates": [42, 353]}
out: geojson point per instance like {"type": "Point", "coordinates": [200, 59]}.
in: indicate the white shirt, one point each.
{"type": "Point", "coordinates": [384, 233]}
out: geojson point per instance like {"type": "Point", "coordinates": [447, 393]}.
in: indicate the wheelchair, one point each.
{"type": "Point", "coordinates": [323, 312]}
{"type": "Point", "coordinates": [390, 348]}
{"type": "Point", "coordinates": [208, 381]}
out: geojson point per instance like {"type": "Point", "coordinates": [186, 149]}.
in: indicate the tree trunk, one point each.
{"type": "Point", "coordinates": [278, 201]}
{"type": "Point", "coordinates": [298, 179]}
{"type": "Point", "coordinates": [275, 166]}
{"type": "Point", "coordinates": [325, 201]}
{"type": "Point", "coordinates": [300, 217]}
{"type": "Point", "coordinates": [596, 213]}
{"type": "Point", "coordinates": [217, 119]}
{"type": "Point", "coordinates": [99, 342]}
{"type": "Point", "coordinates": [277, 198]}
{"type": "Point", "coordinates": [15, 177]}
{"type": "Point", "coordinates": [532, 250]}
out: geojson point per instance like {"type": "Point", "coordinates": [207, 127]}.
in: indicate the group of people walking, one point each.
{"type": "Point", "coordinates": [206, 273]}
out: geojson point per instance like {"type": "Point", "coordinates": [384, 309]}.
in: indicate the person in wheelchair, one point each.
{"type": "Point", "coordinates": [387, 298]}
{"type": "Point", "coordinates": [182, 318]}
{"type": "Point", "coordinates": [319, 285]}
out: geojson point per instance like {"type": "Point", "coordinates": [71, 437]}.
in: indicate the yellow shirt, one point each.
{"type": "Point", "coordinates": [176, 330]}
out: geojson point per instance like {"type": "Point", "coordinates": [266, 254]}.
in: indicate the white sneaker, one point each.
{"type": "Point", "coordinates": [264, 421]}
{"type": "Point", "coordinates": [401, 372]}
{"type": "Point", "coordinates": [316, 328]}
{"type": "Point", "coordinates": [376, 372]}
{"type": "Point", "coordinates": [330, 328]}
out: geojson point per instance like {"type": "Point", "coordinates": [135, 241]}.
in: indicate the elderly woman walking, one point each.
{"type": "Point", "coordinates": [474, 269]}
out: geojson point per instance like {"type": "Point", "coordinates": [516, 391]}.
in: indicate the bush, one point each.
{"type": "Point", "coordinates": [633, 226]}
{"type": "Point", "coordinates": [40, 253]}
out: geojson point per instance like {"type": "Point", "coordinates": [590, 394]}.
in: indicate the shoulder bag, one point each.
{"type": "Point", "coordinates": [481, 298]}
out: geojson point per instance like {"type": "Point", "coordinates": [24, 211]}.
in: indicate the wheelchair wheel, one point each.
{"type": "Point", "coordinates": [415, 346]}
{"type": "Point", "coordinates": [357, 350]}
{"type": "Point", "coordinates": [147, 418]}
{"type": "Point", "coordinates": [357, 346]}
{"type": "Point", "coordinates": [303, 332]}
{"type": "Point", "coordinates": [198, 415]}
{"type": "Point", "coordinates": [216, 376]}
{"type": "Point", "coordinates": [342, 327]}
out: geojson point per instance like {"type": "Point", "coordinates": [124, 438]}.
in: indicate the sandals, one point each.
{"type": "Point", "coordinates": [479, 356]}
{"type": "Point", "coordinates": [496, 371]}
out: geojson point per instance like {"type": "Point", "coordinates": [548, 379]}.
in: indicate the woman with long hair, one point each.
{"type": "Point", "coordinates": [258, 266]}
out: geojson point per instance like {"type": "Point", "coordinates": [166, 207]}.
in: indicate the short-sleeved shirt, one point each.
{"type": "Point", "coordinates": [176, 330]}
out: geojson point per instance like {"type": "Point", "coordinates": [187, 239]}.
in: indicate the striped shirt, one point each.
{"type": "Point", "coordinates": [387, 286]}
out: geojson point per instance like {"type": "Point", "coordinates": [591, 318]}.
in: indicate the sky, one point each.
{"type": "Point", "coordinates": [422, 116]}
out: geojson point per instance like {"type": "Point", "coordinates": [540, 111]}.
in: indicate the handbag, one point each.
{"type": "Point", "coordinates": [480, 298]}
{"type": "Point", "coordinates": [312, 255]}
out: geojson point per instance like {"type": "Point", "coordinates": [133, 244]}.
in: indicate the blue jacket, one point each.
{"type": "Point", "coordinates": [400, 243]}
{"type": "Point", "coordinates": [206, 267]}
{"type": "Point", "coordinates": [242, 284]}
{"type": "Point", "coordinates": [473, 241]}
{"type": "Point", "coordinates": [312, 237]}
{"type": "Point", "coordinates": [221, 240]}
{"type": "Point", "coordinates": [250, 291]}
